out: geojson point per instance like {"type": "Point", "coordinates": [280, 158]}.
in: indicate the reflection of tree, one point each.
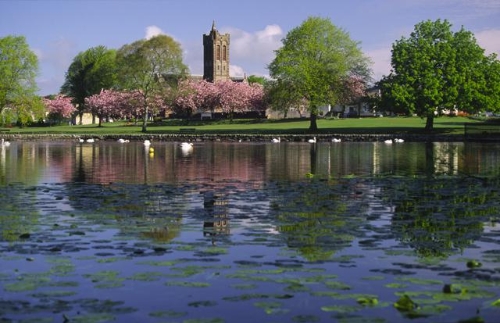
{"type": "Point", "coordinates": [17, 216]}
{"type": "Point", "coordinates": [152, 211]}
{"type": "Point", "coordinates": [439, 217]}
{"type": "Point", "coordinates": [317, 218]}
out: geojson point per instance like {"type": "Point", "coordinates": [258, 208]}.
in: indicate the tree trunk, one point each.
{"type": "Point", "coordinates": [145, 120]}
{"type": "Point", "coordinates": [429, 124]}
{"type": "Point", "coordinates": [313, 127]}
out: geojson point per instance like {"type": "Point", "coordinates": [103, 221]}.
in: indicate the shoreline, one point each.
{"type": "Point", "coordinates": [245, 137]}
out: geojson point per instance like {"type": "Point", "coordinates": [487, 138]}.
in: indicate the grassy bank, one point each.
{"type": "Point", "coordinates": [386, 125]}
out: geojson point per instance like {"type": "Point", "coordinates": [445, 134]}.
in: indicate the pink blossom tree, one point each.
{"type": "Point", "coordinates": [230, 97]}
{"type": "Point", "coordinates": [130, 104]}
{"type": "Point", "coordinates": [104, 105]}
{"type": "Point", "coordinates": [59, 108]}
{"type": "Point", "coordinates": [353, 91]}
{"type": "Point", "coordinates": [257, 97]}
{"type": "Point", "coordinates": [193, 95]}
{"type": "Point", "coordinates": [236, 97]}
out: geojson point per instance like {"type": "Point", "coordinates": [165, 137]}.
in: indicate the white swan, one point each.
{"type": "Point", "coordinates": [186, 148]}
{"type": "Point", "coordinates": [91, 140]}
{"type": "Point", "coordinates": [147, 142]}
{"type": "Point", "coordinates": [122, 141]}
{"type": "Point", "coordinates": [81, 140]}
{"type": "Point", "coordinates": [312, 141]}
{"type": "Point", "coordinates": [276, 139]}
{"type": "Point", "coordinates": [5, 143]}
{"type": "Point", "coordinates": [399, 140]}
{"type": "Point", "coordinates": [388, 141]}
{"type": "Point", "coordinates": [336, 140]}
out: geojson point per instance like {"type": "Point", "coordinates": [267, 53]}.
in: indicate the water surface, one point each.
{"type": "Point", "coordinates": [245, 232]}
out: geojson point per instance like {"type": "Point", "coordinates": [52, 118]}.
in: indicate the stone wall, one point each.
{"type": "Point", "coordinates": [242, 138]}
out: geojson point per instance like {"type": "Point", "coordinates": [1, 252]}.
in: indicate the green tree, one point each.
{"type": "Point", "coordinates": [437, 69]}
{"type": "Point", "coordinates": [315, 60]}
{"type": "Point", "coordinates": [18, 69]}
{"type": "Point", "coordinates": [89, 73]}
{"type": "Point", "coordinates": [281, 96]}
{"type": "Point", "coordinates": [151, 67]}
{"type": "Point", "coordinates": [257, 79]}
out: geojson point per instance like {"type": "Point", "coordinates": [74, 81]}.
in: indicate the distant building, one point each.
{"type": "Point", "coordinates": [216, 56]}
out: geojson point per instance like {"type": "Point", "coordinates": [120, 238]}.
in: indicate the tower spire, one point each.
{"type": "Point", "coordinates": [213, 25]}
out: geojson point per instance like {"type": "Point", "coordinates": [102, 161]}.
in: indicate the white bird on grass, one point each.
{"type": "Point", "coordinates": [312, 141]}
{"type": "Point", "coordinates": [5, 143]}
{"type": "Point", "coordinates": [276, 139]}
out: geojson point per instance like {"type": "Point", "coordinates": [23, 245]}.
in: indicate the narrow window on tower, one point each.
{"type": "Point", "coordinates": [218, 52]}
{"type": "Point", "coordinates": [224, 53]}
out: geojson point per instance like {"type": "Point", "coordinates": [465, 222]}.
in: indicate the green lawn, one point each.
{"type": "Point", "coordinates": [385, 125]}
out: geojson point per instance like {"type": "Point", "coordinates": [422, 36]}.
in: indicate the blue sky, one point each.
{"type": "Point", "coordinates": [58, 30]}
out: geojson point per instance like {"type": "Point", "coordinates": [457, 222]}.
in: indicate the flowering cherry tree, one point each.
{"type": "Point", "coordinates": [235, 97]}
{"type": "Point", "coordinates": [195, 95]}
{"type": "Point", "coordinates": [119, 105]}
{"type": "Point", "coordinates": [130, 104]}
{"type": "Point", "coordinates": [59, 108]}
{"type": "Point", "coordinates": [353, 90]}
{"type": "Point", "coordinates": [104, 105]}
{"type": "Point", "coordinates": [229, 97]}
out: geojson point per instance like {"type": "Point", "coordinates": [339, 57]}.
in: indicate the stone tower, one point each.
{"type": "Point", "coordinates": [215, 56]}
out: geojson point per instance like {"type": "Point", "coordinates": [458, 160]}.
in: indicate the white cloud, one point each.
{"type": "Point", "coordinates": [236, 71]}
{"type": "Point", "coordinates": [249, 52]}
{"type": "Point", "coordinates": [257, 48]}
{"type": "Point", "coordinates": [54, 63]}
{"type": "Point", "coordinates": [381, 59]}
{"type": "Point", "coordinates": [152, 31]}
{"type": "Point", "coordinates": [489, 40]}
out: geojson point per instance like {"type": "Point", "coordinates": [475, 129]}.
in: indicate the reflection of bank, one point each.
{"type": "Point", "coordinates": [217, 220]}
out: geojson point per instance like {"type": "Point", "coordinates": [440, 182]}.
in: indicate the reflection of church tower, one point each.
{"type": "Point", "coordinates": [215, 56]}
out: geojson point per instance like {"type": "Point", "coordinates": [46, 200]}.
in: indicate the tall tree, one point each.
{"type": "Point", "coordinates": [151, 67]}
{"type": "Point", "coordinates": [18, 69]}
{"type": "Point", "coordinates": [90, 72]}
{"type": "Point", "coordinates": [315, 59]}
{"type": "Point", "coordinates": [437, 69]}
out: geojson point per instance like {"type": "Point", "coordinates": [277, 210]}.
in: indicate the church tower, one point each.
{"type": "Point", "coordinates": [215, 56]}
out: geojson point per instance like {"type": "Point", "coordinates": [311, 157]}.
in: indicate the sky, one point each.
{"type": "Point", "coordinates": [57, 30]}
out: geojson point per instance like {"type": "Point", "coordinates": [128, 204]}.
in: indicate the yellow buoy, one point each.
{"type": "Point", "coordinates": [151, 150]}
